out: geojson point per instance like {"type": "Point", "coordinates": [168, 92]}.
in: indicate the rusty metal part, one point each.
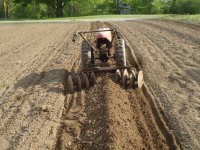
{"type": "Point", "coordinates": [112, 30]}
{"type": "Point", "coordinates": [70, 85]}
{"type": "Point", "coordinates": [104, 69]}
{"type": "Point", "coordinates": [80, 33]}
{"type": "Point", "coordinates": [78, 82]}
{"type": "Point", "coordinates": [125, 75]}
{"type": "Point", "coordinates": [129, 77]}
{"type": "Point", "coordinates": [84, 38]}
{"type": "Point", "coordinates": [85, 81]}
{"type": "Point", "coordinates": [133, 78]}
{"type": "Point", "coordinates": [93, 78]}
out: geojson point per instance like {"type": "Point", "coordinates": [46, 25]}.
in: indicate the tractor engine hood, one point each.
{"type": "Point", "coordinates": [104, 34]}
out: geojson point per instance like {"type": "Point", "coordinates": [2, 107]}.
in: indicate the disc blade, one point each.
{"type": "Point", "coordinates": [140, 79]}
{"type": "Point", "coordinates": [117, 75]}
{"type": "Point", "coordinates": [132, 78]}
{"type": "Point", "coordinates": [93, 78]}
{"type": "Point", "coordinates": [125, 78]}
{"type": "Point", "coordinates": [70, 85]}
{"type": "Point", "coordinates": [78, 82]}
{"type": "Point", "coordinates": [86, 81]}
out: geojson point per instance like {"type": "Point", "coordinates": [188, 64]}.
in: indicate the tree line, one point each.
{"type": "Point", "coordinates": [68, 8]}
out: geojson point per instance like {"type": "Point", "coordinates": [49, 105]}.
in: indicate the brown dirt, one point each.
{"type": "Point", "coordinates": [36, 112]}
{"type": "Point", "coordinates": [168, 53]}
{"type": "Point", "coordinates": [35, 60]}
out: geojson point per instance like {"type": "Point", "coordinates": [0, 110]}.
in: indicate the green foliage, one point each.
{"type": "Point", "coordinates": [1, 10]}
{"type": "Point", "coordinates": [31, 10]}
{"type": "Point", "coordinates": [142, 6]}
{"type": "Point", "coordinates": [167, 4]}
{"type": "Point", "coordinates": [158, 6]}
{"type": "Point", "coordinates": [89, 7]}
{"type": "Point", "coordinates": [185, 6]}
{"type": "Point", "coordinates": [61, 8]}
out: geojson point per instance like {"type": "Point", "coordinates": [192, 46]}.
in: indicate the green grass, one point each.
{"type": "Point", "coordinates": [96, 17]}
{"type": "Point", "coordinates": [187, 18]}
{"type": "Point", "coordinates": [111, 16]}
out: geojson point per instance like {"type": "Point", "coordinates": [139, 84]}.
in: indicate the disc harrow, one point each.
{"type": "Point", "coordinates": [128, 78]}
{"type": "Point", "coordinates": [80, 81]}
{"type": "Point", "coordinates": [107, 53]}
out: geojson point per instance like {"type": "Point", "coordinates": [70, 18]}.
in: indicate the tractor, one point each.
{"type": "Point", "coordinates": [106, 53]}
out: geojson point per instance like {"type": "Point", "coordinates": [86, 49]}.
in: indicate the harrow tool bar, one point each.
{"type": "Point", "coordinates": [125, 75]}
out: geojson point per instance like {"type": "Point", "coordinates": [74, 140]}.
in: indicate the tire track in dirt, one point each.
{"type": "Point", "coordinates": [191, 36]}
{"type": "Point", "coordinates": [159, 120]}
{"type": "Point", "coordinates": [36, 121]}
{"type": "Point", "coordinates": [189, 28]}
{"type": "Point", "coordinates": [84, 125]}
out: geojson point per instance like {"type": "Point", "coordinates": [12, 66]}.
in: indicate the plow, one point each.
{"type": "Point", "coordinates": [107, 53]}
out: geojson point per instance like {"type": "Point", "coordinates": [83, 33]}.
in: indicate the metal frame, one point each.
{"type": "Point", "coordinates": [95, 68]}
{"type": "Point", "coordinates": [84, 38]}
{"type": "Point", "coordinates": [106, 69]}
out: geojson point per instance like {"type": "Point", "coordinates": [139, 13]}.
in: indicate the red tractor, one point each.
{"type": "Point", "coordinates": [107, 53]}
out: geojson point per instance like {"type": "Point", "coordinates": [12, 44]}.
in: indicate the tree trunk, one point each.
{"type": "Point", "coordinates": [59, 8]}
{"type": "Point", "coordinates": [6, 13]}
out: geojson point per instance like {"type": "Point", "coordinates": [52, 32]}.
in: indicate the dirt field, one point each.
{"type": "Point", "coordinates": [36, 111]}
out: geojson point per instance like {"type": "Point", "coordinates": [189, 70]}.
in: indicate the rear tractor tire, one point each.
{"type": "Point", "coordinates": [120, 52]}
{"type": "Point", "coordinates": [85, 54]}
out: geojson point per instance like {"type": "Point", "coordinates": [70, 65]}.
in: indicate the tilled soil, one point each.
{"type": "Point", "coordinates": [35, 60]}
{"type": "Point", "coordinates": [37, 112]}
{"type": "Point", "coordinates": [169, 54]}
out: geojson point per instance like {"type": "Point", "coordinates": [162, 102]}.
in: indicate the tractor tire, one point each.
{"type": "Point", "coordinates": [120, 53]}
{"type": "Point", "coordinates": [85, 54]}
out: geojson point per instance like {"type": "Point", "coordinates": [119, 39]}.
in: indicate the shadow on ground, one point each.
{"type": "Point", "coordinates": [50, 80]}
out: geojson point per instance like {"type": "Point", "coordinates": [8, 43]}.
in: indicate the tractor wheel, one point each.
{"type": "Point", "coordinates": [120, 53]}
{"type": "Point", "coordinates": [85, 54]}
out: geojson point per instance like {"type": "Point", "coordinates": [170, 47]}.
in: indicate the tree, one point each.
{"type": "Point", "coordinates": [185, 6]}
{"type": "Point", "coordinates": [4, 8]}
{"type": "Point", "coordinates": [158, 6]}
{"type": "Point", "coordinates": [142, 6]}
{"type": "Point", "coordinates": [56, 5]}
